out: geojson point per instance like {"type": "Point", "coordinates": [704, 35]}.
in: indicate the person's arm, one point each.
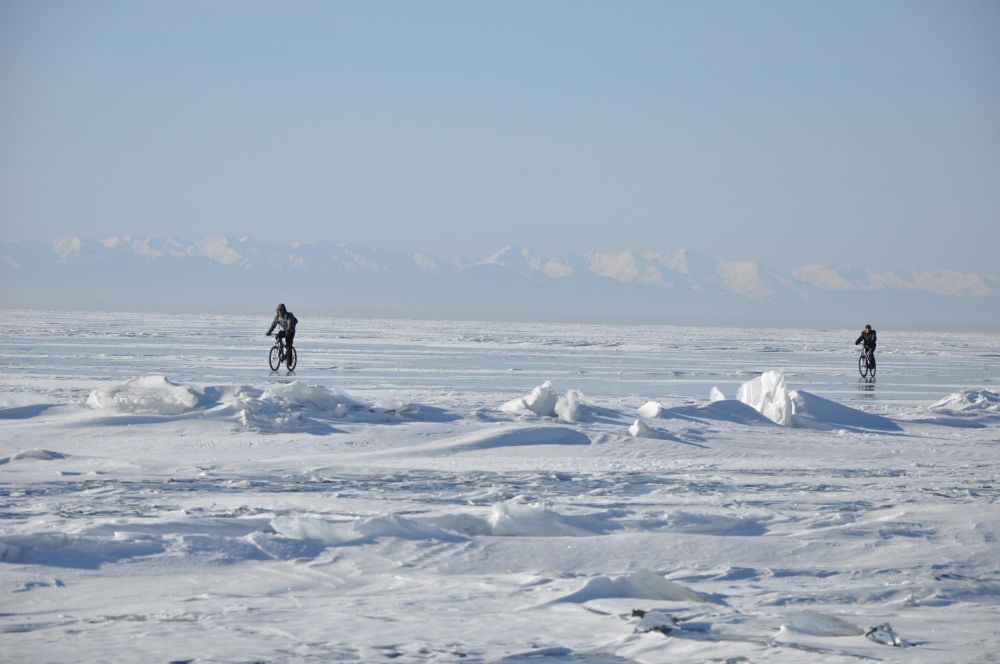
{"type": "Point", "coordinates": [273, 324]}
{"type": "Point", "coordinates": [859, 339]}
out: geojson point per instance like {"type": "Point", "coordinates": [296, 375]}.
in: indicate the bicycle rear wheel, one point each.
{"type": "Point", "coordinates": [863, 365]}
{"type": "Point", "coordinates": [871, 367]}
{"type": "Point", "coordinates": [292, 358]}
{"type": "Point", "coordinates": [274, 358]}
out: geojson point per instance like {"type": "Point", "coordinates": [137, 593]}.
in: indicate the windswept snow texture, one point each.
{"type": "Point", "coordinates": [149, 394]}
{"type": "Point", "coordinates": [471, 492]}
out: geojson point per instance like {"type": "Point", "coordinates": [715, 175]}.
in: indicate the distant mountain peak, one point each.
{"type": "Point", "coordinates": [671, 280]}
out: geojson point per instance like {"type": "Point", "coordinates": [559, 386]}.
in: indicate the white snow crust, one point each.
{"type": "Point", "coordinates": [165, 497]}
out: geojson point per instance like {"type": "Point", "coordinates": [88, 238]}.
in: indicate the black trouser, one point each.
{"type": "Point", "coordinates": [871, 356]}
{"type": "Point", "coordinates": [289, 337]}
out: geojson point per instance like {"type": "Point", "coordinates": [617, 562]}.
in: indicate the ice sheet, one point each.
{"type": "Point", "coordinates": [381, 506]}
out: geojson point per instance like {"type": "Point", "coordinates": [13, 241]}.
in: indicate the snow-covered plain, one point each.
{"type": "Point", "coordinates": [415, 492]}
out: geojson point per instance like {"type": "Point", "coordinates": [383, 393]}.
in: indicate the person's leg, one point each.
{"type": "Point", "coordinates": [872, 355]}
{"type": "Point", "coordinates": [280, 336]}
{"type": "Point", "coordinates": [288, 345]}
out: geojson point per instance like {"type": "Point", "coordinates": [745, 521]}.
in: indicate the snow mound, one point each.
{"type": "Point", "coordinates": [768, 395]}
{"type": "Point", "coordinates": [656, 621]}
{"type": "Point", "coordinates": [650, 409]}
{"type": "Point", "coordinates": [514, 518]}
{"type": "Point", "coordinates": [640, 429]}
{"type": "Point", "coordinates": [814, 412]}
{"type": "Point", "coordinates": [292, 407]}
{"type": "Point", "coordinates": [358, 531]}
{"type": "Point", "coordinates": [821, 624]}
{"type": "Point", "coordinates": [313, 397]}
{"type": "Point", "coordinates": [22, 399]}
{"type": "Point", "coordinates": [727, 410]}
{"type": "Point", "coordinates": [544, 401]}
{"type": "Point", "coordinates": [541, 401]}
{"type": "Point", "coordinates": [496, 437]}
{"type": "Point", "coordinates": [973, 402]}
{"type": "Point", "coordinates": [644, 584]}
{"type": "Point", "coordinates": [147, 394]}
{"type": "Point", "coordinates": [37, 454]}
{"type": "Point", "coordinates": [519, 518]}
{"type": "Point", "coordinates": [72, 551]}
{"type": "Point", "coordinates": [713, 524]}
{"type": "Point", "coordinates": [569, 408]}
{"type": "Point", "coordinates": [298, 407]}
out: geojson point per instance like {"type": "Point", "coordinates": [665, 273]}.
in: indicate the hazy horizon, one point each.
{"type": "Point", "coordinates": [781, 132]}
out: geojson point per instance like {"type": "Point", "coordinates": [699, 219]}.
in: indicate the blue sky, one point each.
{"type": "Point", "coordinates": [786, 132]}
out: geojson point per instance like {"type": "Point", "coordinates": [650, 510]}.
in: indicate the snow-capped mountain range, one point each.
{"type": "Point", "coordinates": [242, 274]}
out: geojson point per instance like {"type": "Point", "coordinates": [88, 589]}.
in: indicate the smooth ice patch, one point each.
{"type": "Point", "coordinates": [147, 394]}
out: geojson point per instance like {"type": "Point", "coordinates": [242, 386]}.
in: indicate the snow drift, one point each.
{"type": "Point", "coordinates": [154, 395]}
{"type": "Point", "coordinates": [495, 437]}
{"type": "Point", "coordinates": [294, 407]}
{"type": "Point", "coordinates": [768, 395]}
{"type": "Point", "coordinates": [644, 584]}
{"type": "Point", "coordinates": [969, 402]}
{"type": "Point", "coordinates": [357, 531]}
{"type": "Point", "coordinates": [517, 518]}
{"type": "Point", "coordinates": [814, 412]}
{"type": "Point", "coordinates": [544, 401]}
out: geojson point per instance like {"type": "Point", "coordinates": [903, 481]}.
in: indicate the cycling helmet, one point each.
{"type": "Point", "coordinates": [281, 309]}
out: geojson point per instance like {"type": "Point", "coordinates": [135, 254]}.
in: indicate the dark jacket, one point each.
{"type": "Point", "coordinates": [869, 340]}
{"type": "Point", "coordinates": [286, 323]}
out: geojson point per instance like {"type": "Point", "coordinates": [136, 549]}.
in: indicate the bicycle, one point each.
{"type": "Point", "coordinates": [278, 355]}
{"type": "Point", "coordinates": [866, 364]}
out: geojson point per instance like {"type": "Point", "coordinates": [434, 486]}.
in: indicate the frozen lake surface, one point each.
{"type": "Point", "coordinates": [406, 497]}
{"type": "Point", "coordinates": [71, 351]}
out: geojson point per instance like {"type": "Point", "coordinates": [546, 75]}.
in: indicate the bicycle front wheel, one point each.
{"type": "Point", "coordinates": [274, 358]}
{"type": "Point", "coordinates": [863, 365]}
{"type": "Point", "coordinates": [292, 358]}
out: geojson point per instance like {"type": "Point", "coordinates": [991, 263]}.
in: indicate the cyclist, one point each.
{"type": "Point", "coordinates": [868, 337]}
{"type": "Point", "coordinates": [287, 321]}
